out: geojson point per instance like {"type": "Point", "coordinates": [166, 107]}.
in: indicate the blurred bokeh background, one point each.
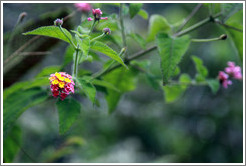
{"type": "Point", "coordinates": [199, 127]}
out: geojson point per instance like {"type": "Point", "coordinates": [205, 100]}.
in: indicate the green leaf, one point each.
{"type": "Point", "coordinates": [68, 57]}
{"type": "Point", "coordinates": [139, 39]}
{"type": "Point", "coordinates": [48, 70]}
{"type": "Point", "coordinates": [134, 8]}
{"type": "Point", "coordinates": [11, 144]}
{"type": "Point", "coordinates": [69, 110]}
{"type": "Point", "coordinates": [143, 14]}
{"type": "Point", "coordinates": [38, 82]}
{"type": "Point", "coordinates": [174, 92]}
{"type": "Point", "coordinates": [51, 31]}
{"type": "Point", "coordinates": [202, 71]}
{"type": "Point", "coordinates": [214, 85]}
{"type": "Point", "coordinates": [171, 51]}
{"type": "Point", "coordinates": [236, 38]}
{"type": "Point", "coordinates": [86, 87]}
{"type": "Point", "coordinates": [157, 24]}
{"type": "Point", "coordinates": [84, 46]}
{"type": "Point", "coordinates": [17, 103]}
{"type": "Point", "coordinates": [103, 48]}
{"type": "Point", "coordinates": [104, 84]}
{"type": "Point", "coordinates": [124, 80]}
{"type": "Point", "coordinates": [14, 88]}
{"type": "Point", "coordinates": [228, 9]}
{"type": "Point", "coordinates": [112, 24]}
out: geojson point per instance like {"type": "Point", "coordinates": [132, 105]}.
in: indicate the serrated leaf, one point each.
{"type": "Point", "coordinates": [11, 144]}
{"type": "Point", "coordinates": [174, 92]}
{"type": "Point", "coordinates": [68, 110]}
{"type": "Point", "coordinates": [134, 8]}
{"type": "Point", "coordinates": [17, 103]}
{"type": "Point", "coordinates": [51, 31]}
{"type": "Point", "coordinates": [143, 14]}
{"type": "Point", "coordinates": [48, 70]}
{"type": "Point", "coordinates": [157, 24]}
{"type": "Point", "coordinates": [103, 48]}
{"type": "Point", "coordinates": [112, 24]}
{"type": "Point", "coordinates": [86, 87]}
{"type": "Point", "coordinates": [104, 84]}
{"type": "Point", "coordinates": [139, 39]}
{"type": "Point", "coordinates": [68, 57]}
{"type": "Point", "coordinates": [124, 80]}
{"type": "Point", "coordinates": [228, 9]}
{"type": "Point", "coordinates": [214, 85]}
{"type": "Point", "coordinates": [200, 68]}
{"type": "Point", "coordinates": [171, 51]}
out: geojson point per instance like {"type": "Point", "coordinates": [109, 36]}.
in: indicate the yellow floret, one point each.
{"type": "Point", "coordinates": [55, 82]}
{"type": "Point", "coordinates": [61, 84]}
{"type": "Point", "coordinates": [61, 78]}
{"type": "Point", "coordinates": [57, 75]}
{"type": "Point", "coordinates": [68, 80]}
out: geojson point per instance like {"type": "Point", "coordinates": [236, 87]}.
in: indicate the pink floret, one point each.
{"type": "Point", "coordinates": [234, 71]}
{"type": "Point", "coordinates": [84, 7]}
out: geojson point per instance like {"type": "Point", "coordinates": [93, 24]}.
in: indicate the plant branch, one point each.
{"type": "Point", "coordinates": [34, 53]}
{"type": "Point", "coordinates": [228, 26]}
{"type": "Point", "coordinates": [197, 25]}
{"type": "Point", "coordinates": [135, 56]}
{"type": "Point", "coordinates": [122, 27]}
{"type": "Point", "coordinates": [194, 11]}
{"type": "Point", "coordinates": [192, 83]}
{"type": "Point", "coordinates": [92, 27]}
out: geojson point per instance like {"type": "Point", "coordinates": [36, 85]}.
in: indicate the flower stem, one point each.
{"type": "Point", "coordinates": [67, 37]}
{"type": "Point", "coordinates": [92, 26]}
{"type": "Point", "coordinates": [122, 27]}
{"type": "Point", "coordinates": [75, 64]}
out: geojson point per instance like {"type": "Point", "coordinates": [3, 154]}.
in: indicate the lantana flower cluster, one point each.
{"type": "Point", "coordinates": [97, 13]}
{"type": "Point", "coordinates": [232, 71]}
{"type": "Point", "coordinates": [61, 84]}
{"type": "Point", "coordinates": [83, 7]}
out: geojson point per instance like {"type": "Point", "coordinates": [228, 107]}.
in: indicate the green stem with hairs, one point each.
{"type": "Point", "coordinates": [122, 27]}
{"type": "Point", "coordinates": [92, 27]}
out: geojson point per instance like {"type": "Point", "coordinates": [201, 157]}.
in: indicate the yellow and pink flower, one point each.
{"type": "Point", "coordinates": [61, 84]}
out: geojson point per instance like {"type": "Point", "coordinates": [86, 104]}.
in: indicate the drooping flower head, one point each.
{"type": "Point", "coordinates": [61, 84]}
{"type": "Point", "coordinates": [223, 78]}
{"type": "Point", "coordinates": [97, 13]}
{"type": "Point", "coordinates": [84, 7]}
{"type": "Point", "coordinates": [58, 22]}
{"type": "Point", "coordinates": [234, 71]}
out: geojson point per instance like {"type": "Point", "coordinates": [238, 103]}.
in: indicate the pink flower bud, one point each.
{"type": "Point", "coordinates": [107, 31]}
{"type": "Point", "coordinates": [58, 22]}
{"type": "Point", "coordinates": [84, 7]}
{"type": "Point", "coordinates": [104, 18]}
{"type": "Point", "coordinates": [89, 19]}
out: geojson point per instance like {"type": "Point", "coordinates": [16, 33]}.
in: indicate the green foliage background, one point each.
{"type": "Point", "coordinates": [184, 124]}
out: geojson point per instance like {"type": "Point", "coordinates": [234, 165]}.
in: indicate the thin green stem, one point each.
{"type": "Point", "coordinates": [206, 40]}
{"type": "Point", "coordinates": [194, 11]}
{"type": "Point", "coordinates": [68, 37]}
{"type": "Point", "coordinates": [122, 27]}
{"type": "Point", "coordinates": [75, 64]}
{"type": "Point", "coordinates": [197, 25]}
{"type": "Point", "coordinates": [92, 27]}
